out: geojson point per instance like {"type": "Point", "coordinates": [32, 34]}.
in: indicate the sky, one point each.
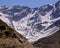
{"type": "Point", "coordinates": [28, 3]}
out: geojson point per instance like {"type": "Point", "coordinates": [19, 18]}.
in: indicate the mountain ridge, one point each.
{"type": "Point", "coordinates": [32, 23]}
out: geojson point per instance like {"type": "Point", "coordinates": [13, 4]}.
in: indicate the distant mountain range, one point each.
{"type": "Point", "coordinates": [32, 23]}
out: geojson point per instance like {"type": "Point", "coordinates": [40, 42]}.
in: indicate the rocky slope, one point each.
{"type": "Point", "coordinates": [52, 41]}
{"type": "Point", "coordinates": [9, 38]}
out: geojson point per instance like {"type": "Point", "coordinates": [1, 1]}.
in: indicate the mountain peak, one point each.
{"type": "Point", "coordinates": [33, 23]}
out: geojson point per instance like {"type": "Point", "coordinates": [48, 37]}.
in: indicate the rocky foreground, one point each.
{"type": "Point", "coordinates": [9, 38]}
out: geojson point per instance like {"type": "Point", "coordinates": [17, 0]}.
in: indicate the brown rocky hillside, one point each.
{"type": "Point", "coordinates": [52, 41]}
{"type": "Point", "coordinates": [9, 38]}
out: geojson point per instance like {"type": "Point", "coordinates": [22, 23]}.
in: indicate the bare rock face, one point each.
{"type": "Point", "coordinates": [11, 39]}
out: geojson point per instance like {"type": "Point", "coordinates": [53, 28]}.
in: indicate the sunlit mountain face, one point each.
{"type": "Point", "coordinates": [32, 23]}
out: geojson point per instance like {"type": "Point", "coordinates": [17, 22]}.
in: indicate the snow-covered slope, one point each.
{"type": "Point", "coordinates": [32, 23]}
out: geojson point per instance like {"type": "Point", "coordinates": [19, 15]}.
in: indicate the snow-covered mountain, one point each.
{"type": "Point", "coordinates": [32, 23]}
